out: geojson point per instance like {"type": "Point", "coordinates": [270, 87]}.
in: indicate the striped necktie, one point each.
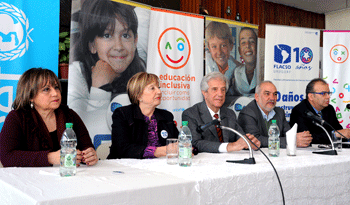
{"type": "Point", "coordinates": [218, 129]}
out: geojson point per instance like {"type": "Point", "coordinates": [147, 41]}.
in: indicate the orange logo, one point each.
{"type": "Point", "coordinates": [339, 53]}
{"type": "Point", "coordinates": [174, 48]}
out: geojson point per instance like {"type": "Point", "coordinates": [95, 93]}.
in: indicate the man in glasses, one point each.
{"type": "Point", "coordinates": [317, 101]}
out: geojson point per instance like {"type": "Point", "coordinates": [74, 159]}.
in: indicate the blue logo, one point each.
{"type": "Point", "coordinates": [14, 32]}
{"type": "Point", "coordinates": [282, 53]}
{"type": "Point", "coordinates": [115, 105]}
{"type": "Point", "coordinates": [238, 107]}
{"type": "Point", "coordinates": [306, 55]}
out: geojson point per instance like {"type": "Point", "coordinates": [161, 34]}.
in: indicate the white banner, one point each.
{"type": "Point", "coordinates": [336, 71]}
{"type": "Point", "coordinates": [291, 61]}
{"type": "Point", "coordinates": [173, 55]}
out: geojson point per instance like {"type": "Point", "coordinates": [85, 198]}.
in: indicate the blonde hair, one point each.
{"type": "Point", "coordinates": [137, 84]}
{"type": "Point", "coordinates": [218, 29]}
{"type": "Point", "coordinates": [29, 85]}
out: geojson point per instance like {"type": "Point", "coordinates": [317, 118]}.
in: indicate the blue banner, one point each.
{"type": "Point", "coordinates": [29, 32]}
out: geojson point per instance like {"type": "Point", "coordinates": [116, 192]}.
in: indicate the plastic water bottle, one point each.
{"type": "Point", "coordinates": [185, 145]}
{"type": "Point", "coordinates": [68, 152]}
{"type": "Point", "coordinates": [274, 140]}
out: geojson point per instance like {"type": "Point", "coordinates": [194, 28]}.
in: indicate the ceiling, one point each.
{"type": "Point", "coordinates": [316, 6]}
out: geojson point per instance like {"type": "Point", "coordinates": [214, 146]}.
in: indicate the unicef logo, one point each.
{"type": "Point", "coordinates": [306, 55]}
{"type": "Point", "coordinates": [14, 32]}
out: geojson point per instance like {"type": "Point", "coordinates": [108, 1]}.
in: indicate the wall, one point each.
{"type": "Point", "coordinates": [257, 12]}
{"type": "Point", "coordinates": [338, 20]}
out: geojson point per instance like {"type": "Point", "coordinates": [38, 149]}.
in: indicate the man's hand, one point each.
{"type": "Point", "coordinates": [304, 139]}
{"type": "Point", "coordinates": [241, 144]}
{"type": "Point", "coordinates": [345, 132]}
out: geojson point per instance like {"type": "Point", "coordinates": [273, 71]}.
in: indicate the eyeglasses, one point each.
{"type": "Point", "coordinates": [322, 93]}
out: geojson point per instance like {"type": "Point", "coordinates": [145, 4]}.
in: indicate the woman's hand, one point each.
{"type": "Point", "coordinates": [89, 156]}
{"type": "Point", "coordinates": [102, 73]}
{"type": "Point", "coordinates": [79, 157]}
{"type": "Point", "coordinates": [54, 157]}
{"type": "Point", "coordinates": [160, 152]}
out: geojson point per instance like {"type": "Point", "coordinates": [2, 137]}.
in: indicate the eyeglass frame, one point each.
{"type": "Point", "coordinates": [323, 93]}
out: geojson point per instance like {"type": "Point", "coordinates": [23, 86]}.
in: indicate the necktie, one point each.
{"type": "Point", "coordinates": [218, 129]}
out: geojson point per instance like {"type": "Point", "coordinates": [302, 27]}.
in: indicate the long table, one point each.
{"type": "Point", "coordinates": [306, 179]}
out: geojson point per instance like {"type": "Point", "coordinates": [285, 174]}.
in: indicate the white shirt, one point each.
{"type": "Point", "coordinates": [241, 81]}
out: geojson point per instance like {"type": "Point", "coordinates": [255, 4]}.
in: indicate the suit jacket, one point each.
{"type": "Point", "coordinates": [130, 131]}
{"type": "Point", "coordinates": [252, 121]}
{"type": "Point", "coordinates": [25, 140]}
{"type": "Point", "coordinates": [208, 141]}
{"type": "Point", "coordinates": [318, 135]}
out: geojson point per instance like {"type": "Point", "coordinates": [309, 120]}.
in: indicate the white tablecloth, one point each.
{"type": "Point", "coordinates": [306, 179]}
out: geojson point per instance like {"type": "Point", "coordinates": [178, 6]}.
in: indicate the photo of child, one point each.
{"type": "Point", "coordinates": [104, 58]}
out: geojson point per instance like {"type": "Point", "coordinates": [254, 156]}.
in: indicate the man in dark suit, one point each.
{"type": "Point", "coordinates": [214, 86]}
{"type": "Point", "coordinates": [256, 117]}
{"type": "Point", "coordinates": [317, 101]}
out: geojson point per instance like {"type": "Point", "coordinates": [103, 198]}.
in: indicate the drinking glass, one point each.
{"type": "Point", "coordinates": [172, 151]}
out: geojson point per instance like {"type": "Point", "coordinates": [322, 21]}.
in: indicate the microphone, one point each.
{"type": "Point", "coordinates": [348, 106]}
{"type": "Point", "coordinates": [316, 118]}
{"type": "Point", "coordinates": [201, 129]}
{"type": "Point", "coordinates": [318, 121]}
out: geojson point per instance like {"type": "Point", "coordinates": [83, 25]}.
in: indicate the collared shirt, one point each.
{"type": "Point", "coordinates": [317, 112]}
{"type": "Point", "coordinates": [267, 117]}
{"type": "Point", "coordinates": [223, 146]}
{"type": "Point", "coordinates": [211, 65]}
{"type": "Point", "coordinates": [241, 81]}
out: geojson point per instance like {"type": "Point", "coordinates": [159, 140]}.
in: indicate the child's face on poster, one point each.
{"type": "Point", "coordinates": [117, 47]}
{"type": "Point", "coordinates": [220, 50]}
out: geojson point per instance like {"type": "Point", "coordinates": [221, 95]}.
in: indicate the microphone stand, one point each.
{"type": "Point", "coordinates": [326, 152]}
{"type": "Point", "coordinates": [251, 159]}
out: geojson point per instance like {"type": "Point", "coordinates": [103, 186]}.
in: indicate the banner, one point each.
{"type": "Point", "coordinates": [291, 61]}
{"type": "Point", "coordinates": [336, 71]}
{"type": "Point", "coordinates": [103, 60]}
{"type": "Point", "coordinates": [175, 54]}
{"type": "Point", "coordinates": [29, 32]}
{"type": "Point", "coordinates": [231, 48]}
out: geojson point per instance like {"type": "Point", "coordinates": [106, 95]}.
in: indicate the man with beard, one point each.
{"type": "Point", "coordinates": [257, 117]}
{"type": "Point", "coordinates": [317, 102]}
{"type": "Point", "coordinates": [245, 76]}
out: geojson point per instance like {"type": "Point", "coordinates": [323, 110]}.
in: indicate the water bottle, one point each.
{"type": "Point", "coordinates": [68, 152]}
{"type": "Point", "coordinates": [274, 140]}
{"type": "Point", "coordinates": [185, 145]}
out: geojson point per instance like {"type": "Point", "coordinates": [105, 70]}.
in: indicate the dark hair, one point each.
{"type": "Point", "coordinates": [94, 18]}
{"type": "Point", "coordinates": [137, 84]}
{"type": "Point", "coordinates": [310, 86]}
{"type": "Point", "coordinates": [29, 84]}
{"type": "Point", "coordinates": [248, 29]}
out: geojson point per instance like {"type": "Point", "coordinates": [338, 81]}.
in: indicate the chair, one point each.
{"type": "Point", "coordinates": [102, 144]}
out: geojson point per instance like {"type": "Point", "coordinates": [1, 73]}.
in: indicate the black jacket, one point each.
{"type": "Point", "coordinates": [318, 135]}
{"type": "Point", "coordinates": [252, 121]}
{"type": "Point", "coordinates": [130, 131]}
